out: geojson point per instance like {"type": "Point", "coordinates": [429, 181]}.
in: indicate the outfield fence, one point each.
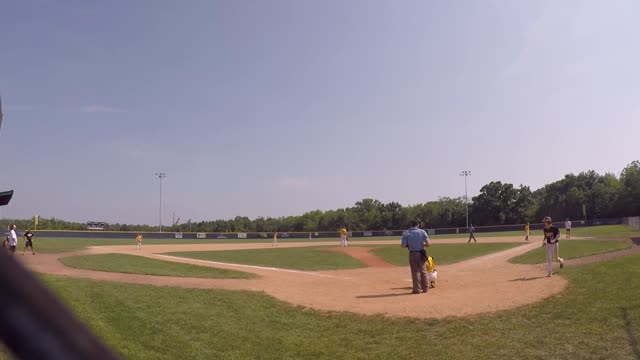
{"type": "Point", "coordinates": [633, 222]}
{"type": "Point", "coordinates": [461, 231]}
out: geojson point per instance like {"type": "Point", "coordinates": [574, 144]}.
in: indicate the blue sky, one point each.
{"type": "Point", "coordinates": [275, 108]}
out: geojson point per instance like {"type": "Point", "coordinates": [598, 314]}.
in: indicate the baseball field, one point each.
{"type": "Point", "coordinates": [314, 300]}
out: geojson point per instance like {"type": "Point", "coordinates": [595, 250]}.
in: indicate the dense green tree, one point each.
{"type": "Point", "coordinates": [630, 189]}
{"type": "Point", "coordinates": [500, 204]}
{"type": "Point", "coordinates": [567, 198]}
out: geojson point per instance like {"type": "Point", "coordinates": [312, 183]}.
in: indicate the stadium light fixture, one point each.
{"type": "Point", "coordinates": [160, 176]}
{"type": "Point", "coordinates": [466, 173]}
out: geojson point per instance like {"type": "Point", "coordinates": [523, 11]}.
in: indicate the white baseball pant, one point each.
{"type": "Point", "coordinates": [552, 255]}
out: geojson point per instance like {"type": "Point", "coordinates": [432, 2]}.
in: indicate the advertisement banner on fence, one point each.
{"type": "Point", "coordinates": [242, 235]}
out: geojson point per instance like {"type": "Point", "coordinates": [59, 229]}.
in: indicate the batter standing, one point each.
{"type": "Point", "coordinates": [28, 236]}
{"type": "Point", "coordinates": [551, 238]}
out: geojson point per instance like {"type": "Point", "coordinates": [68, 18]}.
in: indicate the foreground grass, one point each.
{"type": "Point", "coordinates": [597, 317]}
{"type": "Point", "coordinates": [442, 253]}
{"type": "Point", "coordinates": [132, 264]}
{"type": "Point", "coordinates": [308, 258]}
{"type": "Point", "coordinates": [573, 249]}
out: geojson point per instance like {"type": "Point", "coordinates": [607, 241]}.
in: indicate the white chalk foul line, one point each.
{"type": "Point", "coordinates": [253, 267]}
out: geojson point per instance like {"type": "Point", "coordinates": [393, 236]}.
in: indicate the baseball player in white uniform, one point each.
{"type": "Point", "coordinates": [551, 238]}
{"type": "Point", "coordinates": [13, 239]}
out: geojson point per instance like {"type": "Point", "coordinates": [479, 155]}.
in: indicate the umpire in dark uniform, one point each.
{"type": "Point", "coordinates": [416, 239]}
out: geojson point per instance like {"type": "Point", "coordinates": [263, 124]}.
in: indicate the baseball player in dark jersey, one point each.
{"type": "Point", "coordinates": [472, 230]}
{"type": "Point", "coordinates": [28, 236]}
{"type": "Point", "coordinates": [551, 238]}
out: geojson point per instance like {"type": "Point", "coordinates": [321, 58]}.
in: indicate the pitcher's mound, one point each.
{"type": "Point", "coordinates": [362, 254]}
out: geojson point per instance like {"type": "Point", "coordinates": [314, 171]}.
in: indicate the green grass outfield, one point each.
{"type": "Point", "coordinates": [442, 253]}
{"type": "Point", "coordinates": [133, 264]}
{"type": "Point", "coordinates": [58, 245]}
{"type": "Point", "coordinates": [597, 317]}
{"type": "Point", "coordinates": [597, 232]}
{"type": "Point", "coordinates": [318, 258]}
{"type": "Point", "coordinates": [307, 258]}
{"type": "Point", "coordinates": [572, 249]}
{"type": "Point", "coordinates": [604, 232]}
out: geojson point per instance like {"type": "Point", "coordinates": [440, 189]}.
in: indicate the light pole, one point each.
{"type": "Point", "coordinates": [466, 173]}
{"type": "Point", "coordinates": [160, 176]}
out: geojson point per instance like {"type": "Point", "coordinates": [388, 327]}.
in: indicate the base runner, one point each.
{"type": "Point", "coordinates": [551, 238]}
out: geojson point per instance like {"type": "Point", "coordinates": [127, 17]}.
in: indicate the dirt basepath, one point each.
{"type": "Point", "coordinates": [362, 254]}
{"type": "Point", "coordinates": [634, 249]}
{"type": "Point", "coordinates": [481, 285]}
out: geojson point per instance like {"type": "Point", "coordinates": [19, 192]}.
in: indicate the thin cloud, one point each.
{"type": "Point", "coordinates": [101, 109]}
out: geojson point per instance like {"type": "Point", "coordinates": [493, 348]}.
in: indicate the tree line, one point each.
{"type": "Point", "coordinates": [574, 196]}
